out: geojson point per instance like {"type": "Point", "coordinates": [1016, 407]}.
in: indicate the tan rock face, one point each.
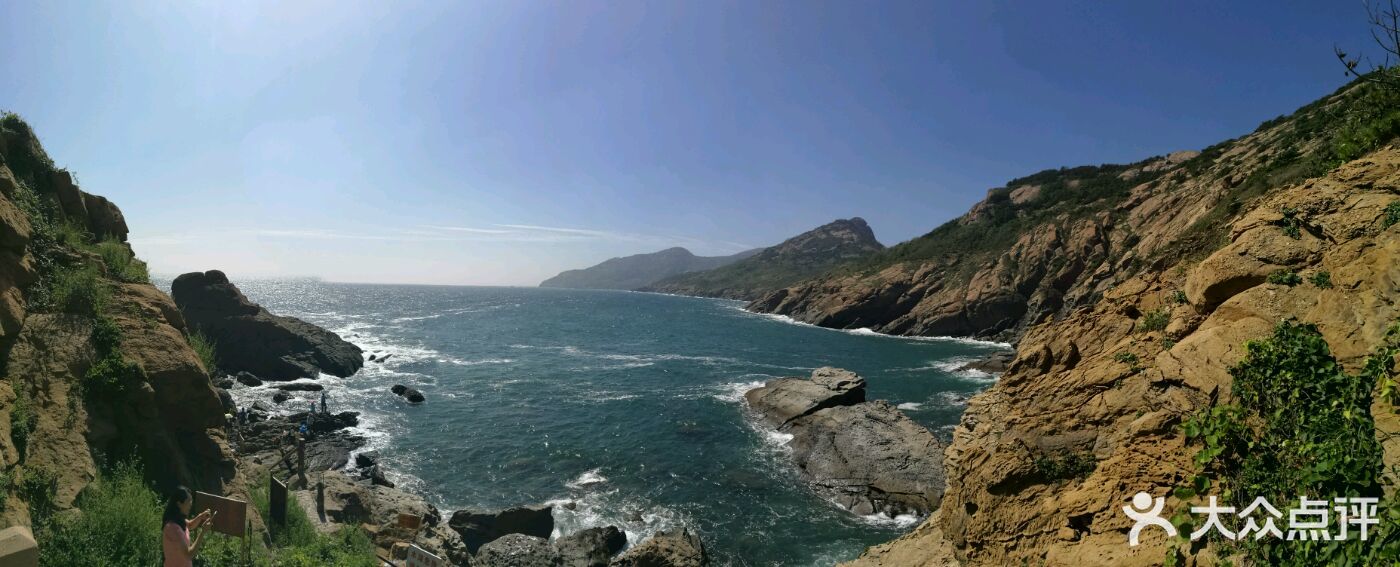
{"type": "Point", "coordinates": [1074, 388]}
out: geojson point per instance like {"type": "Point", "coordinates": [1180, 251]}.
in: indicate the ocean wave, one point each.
{"type": "Point", "coordinates": [586, 507]}
{"type": "Point", "coordinates": [909, 406]}
{"type": "Point", "coordinates": [954, 366]}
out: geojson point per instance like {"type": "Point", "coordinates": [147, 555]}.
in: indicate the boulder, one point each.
{"type": "Point", "coordinates": [407, 393]}
{"type": "Point", "coordinates": [280, 397]}
{"type": "Point", "coordinates": [478, 527]}
{"type": "Point", "coordinates": [593, 547]}
{"type": "Point", "coordinates": [785, 399]}
{"type": "Point", "coordinates": [367, 459]}
{"type": "Point", "coordinates": [253, 340]}
{"type": "Point", "coordinates": [866, 456]}
{"type": "Point", "coordinates": [516, 550]}
{"type": "Point", "coordinates": [666, 549]}
{"type": "Point", "coordinates": [247, 379]}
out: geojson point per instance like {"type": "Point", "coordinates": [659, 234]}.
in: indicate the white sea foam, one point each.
{"type": "Point", "coordinates": [898, 521]}
{"type": "Point", "coordinates": [588, 478]}
{"type": "Point", "coordinates": [733, 392]}
{"type": "Point", "coordinates": [909, 406]}
{"type": "Point", "coordinates": [866, 331]}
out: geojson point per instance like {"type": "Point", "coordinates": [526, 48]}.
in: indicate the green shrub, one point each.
{"type": "Point", "coordinates": [22, 417]}
{"type": "Point", "coordinates": [39, 487]}
{"type": "Point", "coordinates": [1302, 426]}
{"type": "Point", "coordinates": [1065, 465]}
{"type": "Point", "coordinates": [1322, 279]}
{"type": "Point", "coordinates": [112, 376]}
{"type": "Point", "coordinates": [1290, 223]}
{"type": "Point", "coordinates": [106, 335]}
{"type": "Point", "coordinates": [120, 525]}
{"type": "Point", "coordinates": [78, 290]}
{"type": "Point", "coordinates": [205, 348]}
{"type": "Point", "coordinates": [121, 263]}
{"type": "Point", "coordinates": [1179, 297]}
{"type": "Point", "coordinates": [1154, 321]}
{"type": "Point", "coordinates": [1285, 277]}
{"type": "Point", "coordinates": [1168, 343]}
{"type": "Point", "coordinates": [1126, 357]}
{"type": "Point", "coordinates": [1392, 214]}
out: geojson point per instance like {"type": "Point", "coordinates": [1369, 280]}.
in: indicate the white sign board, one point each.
{"type": "Point", "coordinates": [417, 557]}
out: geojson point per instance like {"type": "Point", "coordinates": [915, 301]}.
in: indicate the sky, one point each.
{"type": "Point", "coordinates": [498, 143]}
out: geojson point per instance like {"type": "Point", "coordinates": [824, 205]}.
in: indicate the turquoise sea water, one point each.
{"type": "Point", "coordinates": [629, 405]}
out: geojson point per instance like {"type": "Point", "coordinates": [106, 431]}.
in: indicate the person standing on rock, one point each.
{"type": "Point", "coordinates": [323, 402]}
{"type": "Point", "coordinates": [175, 531]}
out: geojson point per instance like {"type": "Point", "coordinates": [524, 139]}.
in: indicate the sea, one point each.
{"type": "Point", "coordinates": [620, 408]}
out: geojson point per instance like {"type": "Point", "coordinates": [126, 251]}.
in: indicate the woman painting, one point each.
{"type": "Point", "coordinates": [175, 538]}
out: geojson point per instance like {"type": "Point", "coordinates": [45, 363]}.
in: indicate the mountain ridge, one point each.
{"type": "Point", "coordinates": [640, 270]}
{"type": "Point", "coordinates": [805, 255]}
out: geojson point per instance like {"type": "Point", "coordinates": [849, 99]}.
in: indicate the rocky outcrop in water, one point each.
{"type": "Point", "coordinates": [249, 338]}
{"type": "Point", "coordinates": [866, 456]}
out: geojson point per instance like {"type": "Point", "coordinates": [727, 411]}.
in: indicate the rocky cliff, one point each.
{"type": "Point", "coordinates": [1133, 317]}
{"type": "Point", "coordinates": [1047, 244]}
{"type": "Point", "coordinates": [797, 258]}
{"type": "Point", "coordinates": [641, 270]}
{"type": "Point", "coordinates": [97, 366]}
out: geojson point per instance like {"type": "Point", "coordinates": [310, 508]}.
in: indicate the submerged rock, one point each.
{"type": "Point", "coordinates": [300, 387]}
{"type": "Point", "coordinates": [866, 456]}
{"type": "Point", "coordinates": [251, 339]}
{"type": "Point", "coordinates": [479, 527]}
{"type": "Point", "coordinates": [666, 549]}
{"type": "Point", "coordinates": [407, 393]}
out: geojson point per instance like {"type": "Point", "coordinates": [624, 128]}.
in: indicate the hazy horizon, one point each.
{"type": "Point", "coordinates": [499, 143]}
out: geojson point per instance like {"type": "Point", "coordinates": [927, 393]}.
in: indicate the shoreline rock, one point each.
{"type": "Point", "coordinates": [866, 456]}
{"type": "Point", "coordinates": [249, 338]}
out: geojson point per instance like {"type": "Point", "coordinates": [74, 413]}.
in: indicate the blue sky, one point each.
{"type": "Point", "coordinates": [501, 142]}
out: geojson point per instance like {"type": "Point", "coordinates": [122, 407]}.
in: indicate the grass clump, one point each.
{"type": "Point", "coordinates": [1179, 297]}
{"type": "Point", "coordinates": [39, 487]}
{"type": "Point", "coordinates": [120, 524]}
{"type": "Point", "coordinates": [1322, 279]}
{"type": "Point", "coordinates": [1285, 277]}
{"type": "Point", "coordinates": [22, 418]}
{"type": "Point", "coordinates": [78, 290]}
{"type": "Point", "coordinates": [1302, 425]}
{"type": "Point", "coordinates": [121, 263]}
{"type": "Point", "coordinates": [1154, 321]}
{"type": "Point", "coordinates": [205, 348]}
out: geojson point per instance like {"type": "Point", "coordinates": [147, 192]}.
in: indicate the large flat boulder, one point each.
{"type": "Point", "coordinates": [866, 456]}
{"type": "Point", "coordinates": [785, 399]}
{"type": "Point", "coordinates": [250, 339]}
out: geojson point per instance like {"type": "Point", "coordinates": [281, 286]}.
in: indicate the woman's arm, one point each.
{"type": "Point", "coordinates": [198, 540]}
